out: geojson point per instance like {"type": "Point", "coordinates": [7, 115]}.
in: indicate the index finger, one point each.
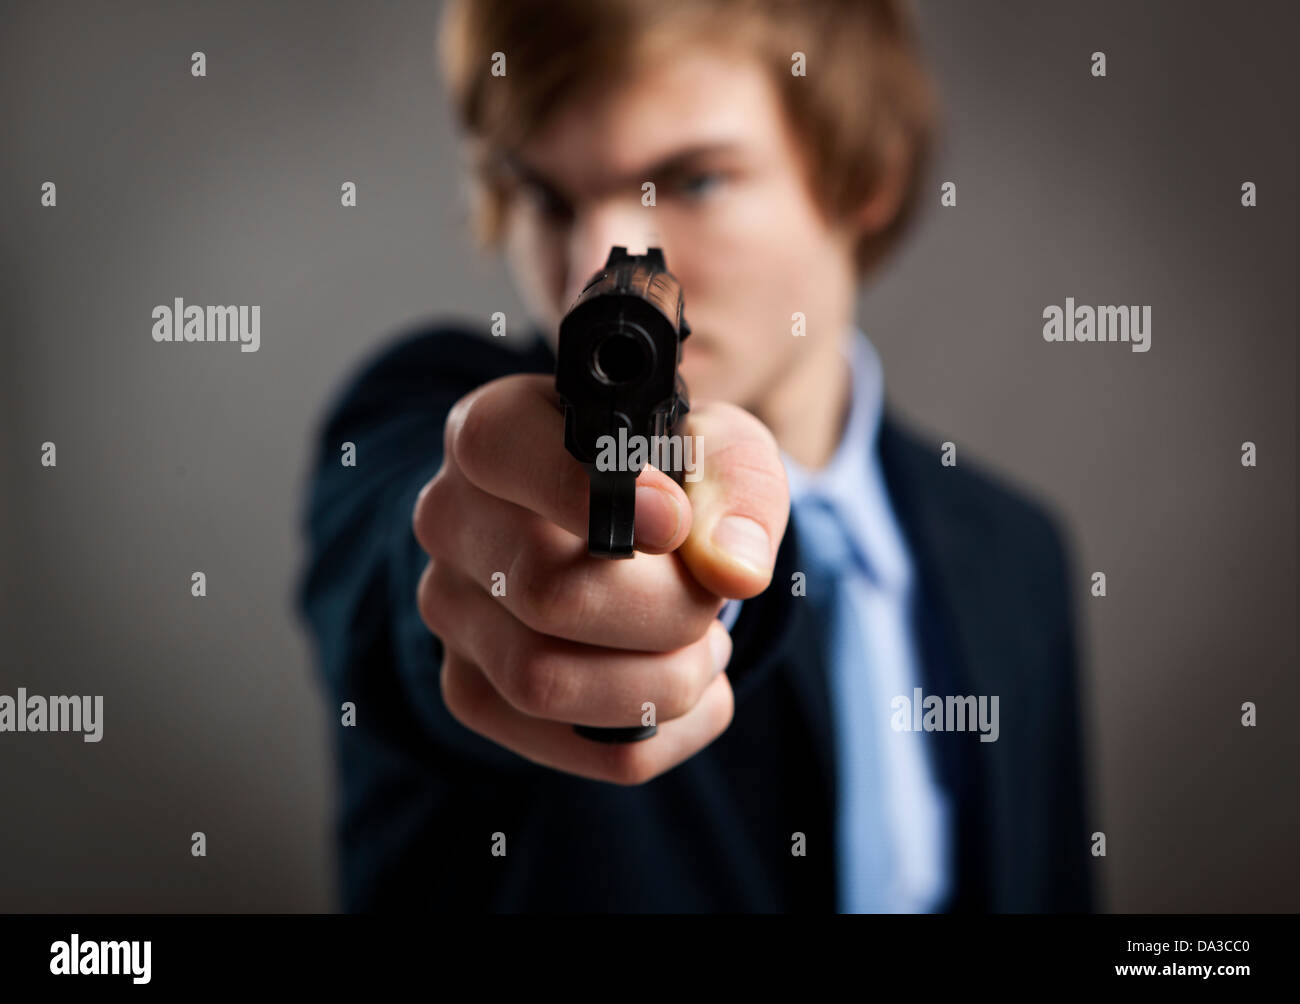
{"type": "Point", "coordinates": [507, 438]}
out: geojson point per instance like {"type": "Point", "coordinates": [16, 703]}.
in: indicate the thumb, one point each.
{"type": "Point", "coordinates": [740, 502]}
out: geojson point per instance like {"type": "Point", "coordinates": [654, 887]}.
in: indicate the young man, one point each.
{"type": "Point", "coordinates": [798, 764]}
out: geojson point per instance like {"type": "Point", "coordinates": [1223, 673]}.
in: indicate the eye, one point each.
{"type": "Point", "coordinates": [546, 202]}
{"type": "Point", "coordinates": [700, 184]}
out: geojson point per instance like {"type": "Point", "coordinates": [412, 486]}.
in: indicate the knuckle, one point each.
{"type": "Point", "coordinates": [467, 432]}
{"type": "Point", "coordinates": [539, 604]}
{"type": "Point", "coordinates": [732, 426]}
{"type": "Point", "coordinates": [631, 764]}
{"type": "Point", "coordinates": [429, 515]}
{"type": "Point", "coordinates": [425, 600]}
{"type": "Point", "coordinates": [757, 431]}
{"type": "Point", "coordinates": [551, 599]}
{"type": "Point", "coordinates": [458, 698]}
{"type": "Point", "coordinates": [536, 683]}
{"type": "Point", "coordinates": [754, 471]}
{"type": "Point", "coordinates": [720, 716]}
{"type": "Point", "coordinates": [582, 611]}
{"type": "Point", "coordinates": [681, 685]}
{"type": "Point", "coordinates": [434, 600]}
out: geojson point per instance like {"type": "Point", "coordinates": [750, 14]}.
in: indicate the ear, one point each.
{"type": "Point", "coordinates": [882, 205]}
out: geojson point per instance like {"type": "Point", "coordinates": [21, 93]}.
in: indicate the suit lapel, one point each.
{"type": "Point", "coordinates": [808, 671]}
{"type": "Point", "coordinates": [960, 610]}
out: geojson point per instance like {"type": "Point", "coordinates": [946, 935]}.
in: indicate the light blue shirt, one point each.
{"type": "Point", "coordinates": [879, 585]}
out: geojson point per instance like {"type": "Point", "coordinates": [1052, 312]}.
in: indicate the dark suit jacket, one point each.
{"type": "Point", "coordinates": [421, 796]}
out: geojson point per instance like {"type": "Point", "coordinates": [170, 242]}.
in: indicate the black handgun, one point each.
{"type": "Point", "coordinates": [616, 368]}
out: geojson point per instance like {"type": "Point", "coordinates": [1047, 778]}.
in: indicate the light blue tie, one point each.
{"type": "Point", "coordinates": [863, 850]}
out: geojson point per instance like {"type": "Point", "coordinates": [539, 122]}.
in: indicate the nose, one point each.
{"type": "Point", "coordinates": [596, 229]}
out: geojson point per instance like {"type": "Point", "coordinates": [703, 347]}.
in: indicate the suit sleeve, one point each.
{"type": "Point", "coordinates": [357, 590]}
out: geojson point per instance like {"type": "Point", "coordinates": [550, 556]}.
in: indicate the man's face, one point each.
{"type": "Point", "coordinates": [733, 214]}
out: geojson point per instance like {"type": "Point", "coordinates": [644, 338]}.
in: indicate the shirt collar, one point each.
{"type": "Point", "coordinates": [853, 482]}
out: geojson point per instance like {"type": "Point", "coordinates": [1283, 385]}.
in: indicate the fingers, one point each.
{"type": "Point", "coordinates": [545, 677]}
{"type": "Point", "coordinates": [475, 703]}
{"type": "Point", "coordinates": [538, 635]}
{"type": "Point", "coordinates": [740, 505]}
{"type": "Point", "coordinates": [507, 438]}
{"type": "Point", "coordinates": [544, 576]}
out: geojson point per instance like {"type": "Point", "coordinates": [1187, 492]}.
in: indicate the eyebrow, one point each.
{"type": "Point", "coordinates": [673, 164]}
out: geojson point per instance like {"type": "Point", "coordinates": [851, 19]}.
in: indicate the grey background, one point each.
{"type": "Point", "coordinates": [177, 458]}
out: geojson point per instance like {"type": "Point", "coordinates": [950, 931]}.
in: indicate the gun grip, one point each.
{"type": "Point", "coordinates": [610, 535]}
{"type": "Point", "coordinates": [612, 519]}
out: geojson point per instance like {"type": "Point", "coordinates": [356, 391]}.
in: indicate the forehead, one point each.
{"type": "Point", "coordinates": [608, 135]}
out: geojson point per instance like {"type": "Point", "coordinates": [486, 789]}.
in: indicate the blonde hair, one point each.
{"type": "Point", "coordinates": [866, 100]}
